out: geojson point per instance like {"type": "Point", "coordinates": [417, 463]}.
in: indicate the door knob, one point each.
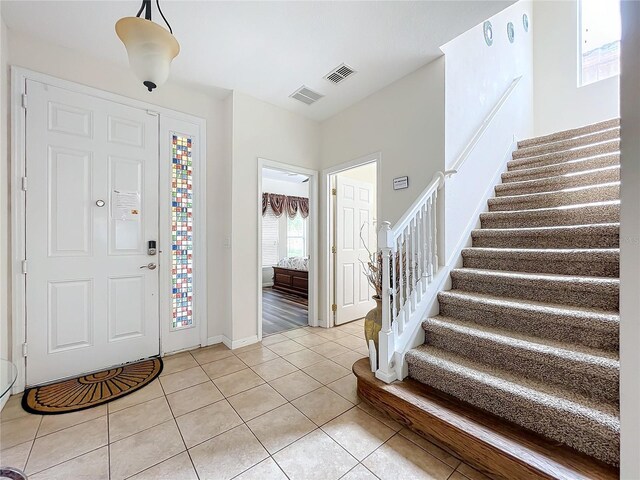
{"type": "Point", "coordinates": [150, 266]}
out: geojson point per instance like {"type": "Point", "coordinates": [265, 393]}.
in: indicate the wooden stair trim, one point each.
{"type": "Point", "coordinates": [488, 443]}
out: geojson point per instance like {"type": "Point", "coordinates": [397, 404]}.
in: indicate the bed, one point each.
{"type": "Point", "coordinates": [291, 275]}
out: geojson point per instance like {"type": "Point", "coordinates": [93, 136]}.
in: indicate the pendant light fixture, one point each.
{"type": "Point", "coordinates": [150, 47]}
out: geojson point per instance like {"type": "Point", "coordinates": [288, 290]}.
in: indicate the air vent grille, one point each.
{"type": "Point", "coordinates": [306, 95]}
{"type": "Point", "coordinates": [340, 73]}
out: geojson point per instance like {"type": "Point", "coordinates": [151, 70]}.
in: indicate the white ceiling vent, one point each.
{"type": "Point", "coordinates": [340, 73]}
{"type": "Point", "coordinates": [306, 95]}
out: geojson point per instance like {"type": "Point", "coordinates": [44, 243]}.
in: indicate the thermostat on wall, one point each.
{"type": "Point", "coordinates": [400, 182]}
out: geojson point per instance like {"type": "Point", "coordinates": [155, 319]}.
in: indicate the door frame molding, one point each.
{"type": "Point", "coordinates": [312, 231]}
{"type": "Point", "coordinates": [376, 158]}
{"type": "Point", "coordinates": [19, 76]}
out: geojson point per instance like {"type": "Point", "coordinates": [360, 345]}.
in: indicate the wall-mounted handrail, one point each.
{"type": "Point", "coordinates": [483, 128]}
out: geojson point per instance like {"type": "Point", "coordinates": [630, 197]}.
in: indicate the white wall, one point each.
{"type": "Point", "coordinates": [630, 242]}
{"type": "Point", "coordinates": [78, 67]}
{"type": "Point", "coordinates": [560, 103]}
{"type": "Point", "coordinates": [477, 76]}
{"type": "Point", "coordinates": [5, 288]}
{"type": "Point", "coordinates": [260, 130]}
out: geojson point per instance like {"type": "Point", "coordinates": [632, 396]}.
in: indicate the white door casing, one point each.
{"type": "Point", "coordinates": [354, 210]}
{"type": "Point", "coordinates": [89, 303]}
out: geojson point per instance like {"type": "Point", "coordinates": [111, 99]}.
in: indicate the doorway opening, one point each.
{"type": "Point", "coordinates": [353, 208]}
{"type": "Point", "coordinates": [285, 250]}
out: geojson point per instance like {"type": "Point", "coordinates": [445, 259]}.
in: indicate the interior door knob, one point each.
{"type": "Point", "coordinates": [150, 266]}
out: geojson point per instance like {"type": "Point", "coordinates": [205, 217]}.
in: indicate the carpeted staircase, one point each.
{"type": "Point", "coordinates": [529, 331]}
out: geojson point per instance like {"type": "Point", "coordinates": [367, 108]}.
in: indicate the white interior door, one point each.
{"type": "Point", "coordinates": [91, 208]}
{"type": "Point", "coordinates": [354, 210]}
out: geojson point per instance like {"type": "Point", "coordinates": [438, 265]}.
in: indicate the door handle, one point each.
{"type": "Point", "coordinates": [150, 266]}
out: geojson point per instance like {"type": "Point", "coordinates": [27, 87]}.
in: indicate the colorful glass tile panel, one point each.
{"type": "Point", "coordinates": [181, 231]}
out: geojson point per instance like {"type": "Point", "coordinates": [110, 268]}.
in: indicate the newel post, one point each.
{"type": "Point", "coordinates": [386, 340]}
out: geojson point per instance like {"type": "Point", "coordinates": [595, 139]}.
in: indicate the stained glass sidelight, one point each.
{"type": "Point", "coordinates": [182, 232]}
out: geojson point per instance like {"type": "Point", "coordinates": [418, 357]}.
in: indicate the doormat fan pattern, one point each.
{"type": "Point", "coordinates": [91, 390]}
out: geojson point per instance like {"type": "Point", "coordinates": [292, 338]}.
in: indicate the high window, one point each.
{"type": "Point", "coordinates": [599, 48]}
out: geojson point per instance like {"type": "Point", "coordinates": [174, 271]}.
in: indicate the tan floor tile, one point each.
{"type": "Point", "coordinates": [192, 398]}
{"type": "Point", "coordinates": [378, 415]}
{"type": "Point", "coordinates": [177, 363]}
{"type": "Point", "coordinates": [364, 351]}
{"type": "Point", "coordinates": [223, 367]}
{"type": "Point", "coordinates": [352, 328]}
{"type": "Point", "coordinates": [323, 458]}
{"type": "Point", "coordinates": [360, 472]}
{"type": "Point", "coordinates": [138, 452]}
{"type": "Point", "coordinates": [400, 458]}
{"type": "Point", "coordinates": [287, 347]}
{"type": "Point", "coordinates": [16, 456]}
{"type": "Point", "coordinates": [185, 379]}
{"type": "Point", "coordinates": [322, 405]}
{"type": "Point", "coordinates": [238, 382]}
{"type": "Point", "coordinates": [13, 409]}
{"type": "Point", "coordinates": [19, 430]}
{"type": "Point", "coordinates": [137, 418]}
{"type": "Point", "coordinates": [358, 432]}
{"type": "Point", "coordinates": [146, 393]}
{"type": "Point", "coordinates": [347, 359]}
{"type": "Point", "coordinates": [274, 369]}
{"type": "Point", "coordinates": [330, 349]}
{"type": "Point", "coordinates": [471, 473]}
{"type": "Point", "coordinates": [212, 353]}
{"type": "Point", "coordinates": [346, 387]}
{"type": "Point", "coordinates": [331, 333]}
{"type": "Point", "coordinates": [207, 422]}
{"type": "Point", "coordinates": [247, 348]}
{"type": "Point", "coordinates": [93, 465]}
{"type": "Point", "coordinates": [326, 371]}
{"type": "Point", "coordinates": [304, 358]}
{"type": "Point", "coordinates": [430, 447]}
{"type": "Point", "coordinates": [53, 423]}
{"type": "Point", "coordinates": [311, 340]}
{"type": "Point", "coordinates": [273, 339]}
{"type": "Point", "coordinates": [295, 385]}
{"type": "Point", "coordinates": [227, 455]}
{"type": "Point", "coordinates": [257, 356]}
{"type": "Point", "coordinates": [280, 427]}
{"type": "Point", "coordinates": [256, 401]}
{"type": "Point", "coordinates": [66, 444]}
{"type": "Point", "coordinates": [352, 342]}
{"type": "Point", "coordinates": [265, 470]}
{"type": "Point", "coordinates": [296, 332]}
{"type": "Point", "coordinates": [176, 468]}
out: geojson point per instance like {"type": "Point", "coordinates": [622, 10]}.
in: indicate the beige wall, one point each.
{"type": "Point", "coordinates": [5, 306]}
{"type": "Point", "coordinates": [560, 104]}
{"type": "Point", "coordinates": [260, 130]}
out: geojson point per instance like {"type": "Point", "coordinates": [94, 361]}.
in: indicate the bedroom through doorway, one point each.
{"type": "Point", "coordinates": [284, 250]}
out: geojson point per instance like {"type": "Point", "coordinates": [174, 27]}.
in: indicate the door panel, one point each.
{"type": "Point", "coordinates": [89, 304]}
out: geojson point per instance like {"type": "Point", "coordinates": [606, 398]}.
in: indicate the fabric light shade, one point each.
{"type": "Point", "coordinates": [150, 48]}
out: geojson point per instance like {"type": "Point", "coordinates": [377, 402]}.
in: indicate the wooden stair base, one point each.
{"type": "Point", "coordinates": [498, 448]}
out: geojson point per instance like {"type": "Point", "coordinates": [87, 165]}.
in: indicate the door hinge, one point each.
{"type": "Point", "coordinates": [334, 249]}
{"type": "Point", "coordinates": [334, 307]}
{"type": "Point", "coordinates": [334, 191]}
{"type": "Point", "coordinates": [24, 266]}
{"type": "Point", "coordinates": [24, 101]}
{"type": "Point", "coordinates": [24, 184]}
{"type": "Point", "coordinates": [24, 349]}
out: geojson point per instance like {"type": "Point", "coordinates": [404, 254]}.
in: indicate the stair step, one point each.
{"type": "Point", "coordinates": [592, 292]}
{"type": "Point", "coordinates": [560, 182]}
{"type": "Point", "coordinates": [580, 326]}
{"type": "Point", "coordinates": [594, 262]}
{"type": "Point", "coordinates": [572, 133]}
{"type": "Point", "coordinates": [569, 144]}
{"type": "Point", "coordinates": [569, 196]}
{"type": "Point", "coordinates": [587, 426]}
{"type": "Point", "coordinates": [583, 153]}
{"type": "Point", "coordinates": [586, 214]}
{"type": "Point", "coordinates": [592, 373]}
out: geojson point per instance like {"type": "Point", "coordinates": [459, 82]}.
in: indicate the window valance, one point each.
{"type": "Point", "coordinates": [283, 203]}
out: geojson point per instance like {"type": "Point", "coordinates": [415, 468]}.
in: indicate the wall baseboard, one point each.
{"type": "Point", "coordinates": [232, 344]}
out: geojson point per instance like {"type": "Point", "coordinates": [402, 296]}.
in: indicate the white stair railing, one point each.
{"type": "Point", "coordinates": [409, 264]}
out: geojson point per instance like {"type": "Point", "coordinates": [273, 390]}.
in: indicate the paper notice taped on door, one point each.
{"type": "Point", "coordinates": [125, 205]}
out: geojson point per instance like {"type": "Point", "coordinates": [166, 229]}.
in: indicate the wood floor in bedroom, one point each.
{"type": "Point", "coordinates": [282, 311]}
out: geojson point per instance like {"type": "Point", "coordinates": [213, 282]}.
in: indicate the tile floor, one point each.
{"type": "Point", "coordinates": [285, 408]}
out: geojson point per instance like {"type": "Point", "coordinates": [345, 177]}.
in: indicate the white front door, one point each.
{"type": "Point", "coordinates": [91, 208]}
{"type": "Point", "coordinates": [354, 222]}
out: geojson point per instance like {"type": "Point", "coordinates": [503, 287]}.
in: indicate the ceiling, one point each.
{"type": "Point", "coordinates": [283, 176]}
{"type": "Point", "coordinates": [270, 49]}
